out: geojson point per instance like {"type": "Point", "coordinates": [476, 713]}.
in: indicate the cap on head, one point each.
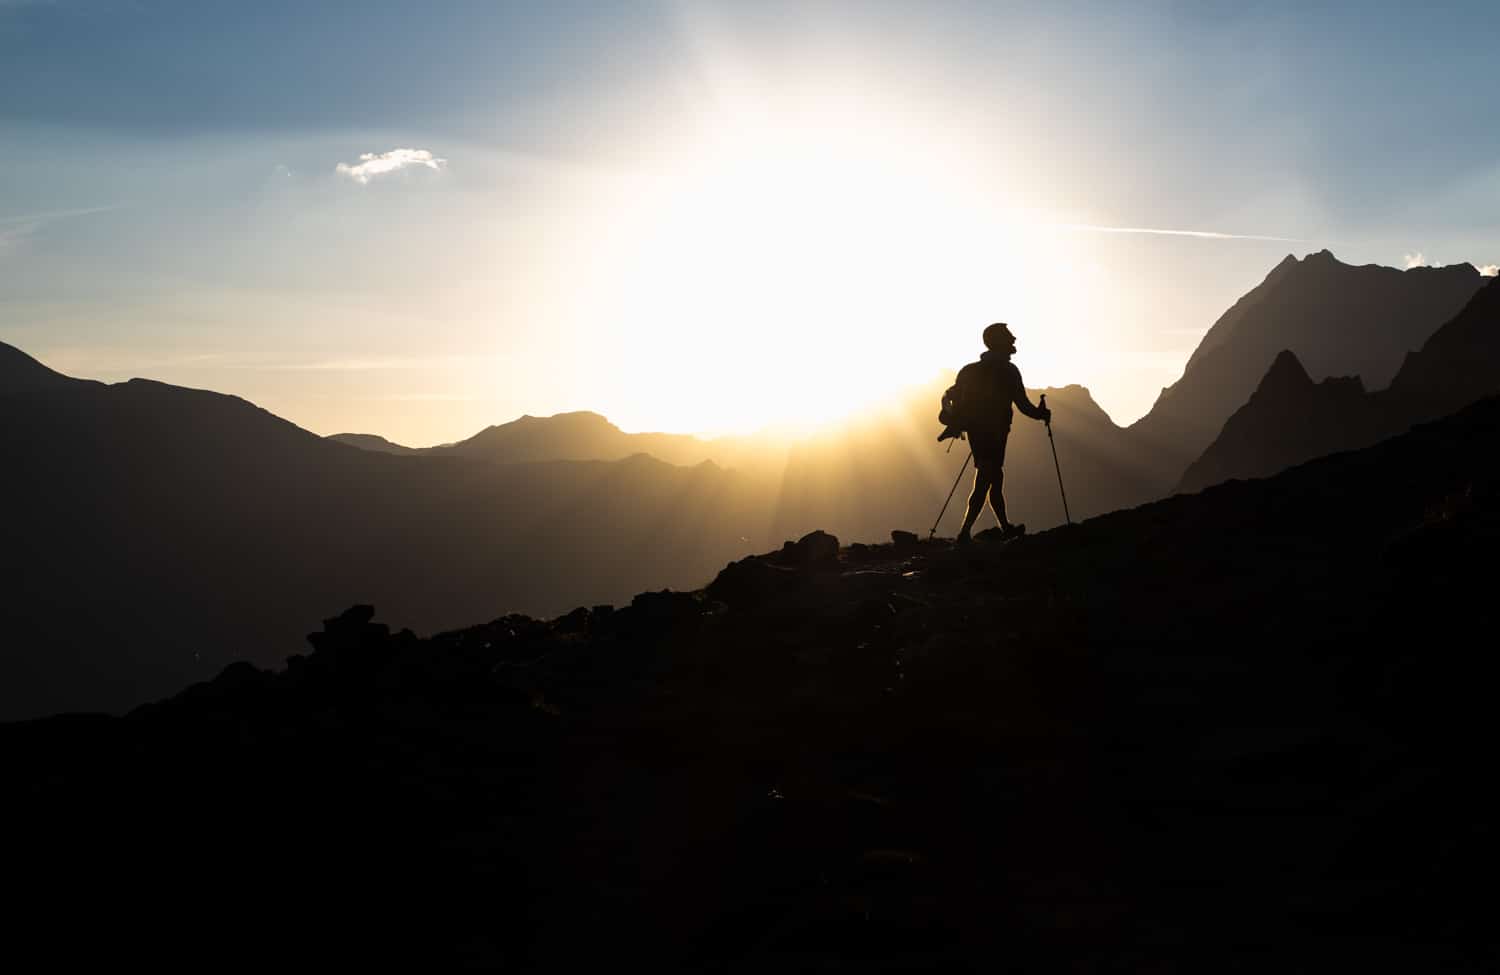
{"type": "Point", "coordinates": [998, 336]}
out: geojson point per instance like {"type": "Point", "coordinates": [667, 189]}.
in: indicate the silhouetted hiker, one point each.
{"type": "Point", "coordinates": [978, 403]}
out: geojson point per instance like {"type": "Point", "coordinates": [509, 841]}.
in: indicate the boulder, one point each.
{"type": "Point", "coordinates": [816, 549]}
{"type": "Point", "coordinates": [750, 581]}
{"type": "Point", "coordinates": [666, 608]}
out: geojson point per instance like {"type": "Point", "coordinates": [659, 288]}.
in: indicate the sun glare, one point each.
{"type": "Point", "coordinates": [793, 273]}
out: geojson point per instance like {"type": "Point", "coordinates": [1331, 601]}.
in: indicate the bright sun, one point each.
{"type": "Point", "coordinates": [790, 273]}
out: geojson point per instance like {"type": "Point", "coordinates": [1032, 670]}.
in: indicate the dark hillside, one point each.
{"type": "Point", "coordinates": [20, 373]}
{"type": "Point", "coordinates": [1244, 730]}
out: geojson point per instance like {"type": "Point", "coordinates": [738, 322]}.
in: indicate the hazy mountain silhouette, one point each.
{"type": "Point", "coordinates": [163, 531]}
{"type": "Point", "coordinates": [574, 436]}
{"type": "Point", "coordinates": [580, 435]}
{"type": "Point", "coordinates": [1242, 730]}
{"type": "Point", "coordinates": [1338, 319]}
{"type": "Point", "coordinates": [370, 441]}
{"type": "Point", "coordinates": [1290, 419]}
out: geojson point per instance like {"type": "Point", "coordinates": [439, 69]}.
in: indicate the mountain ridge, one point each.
{"type": "Point", "coordinates": [1289, 421]}
{"type": "Point", "coordinates": [1340, 319]}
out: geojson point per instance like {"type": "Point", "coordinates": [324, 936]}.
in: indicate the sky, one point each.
{"type": "Point", "coordinates": [417, 220]}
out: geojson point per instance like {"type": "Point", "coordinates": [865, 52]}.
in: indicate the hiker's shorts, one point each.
{"type": "Point", "coordinates": [989, 453]}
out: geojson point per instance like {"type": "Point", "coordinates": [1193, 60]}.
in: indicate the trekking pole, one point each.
{"type": "Point", "coordinates": [950, 493]}
{"type": "Point", "coordinates": [1060, 489]}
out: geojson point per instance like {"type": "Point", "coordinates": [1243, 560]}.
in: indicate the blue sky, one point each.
{"type": "Point", "coordinates": [172, 204]}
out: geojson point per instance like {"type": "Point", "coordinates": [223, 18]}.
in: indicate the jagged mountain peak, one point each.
{"type": "Point", "coordinates": [1286, 371]}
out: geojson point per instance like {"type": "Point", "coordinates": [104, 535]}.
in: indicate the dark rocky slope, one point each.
{"type": "Point", "coordinates": [1245, 730]}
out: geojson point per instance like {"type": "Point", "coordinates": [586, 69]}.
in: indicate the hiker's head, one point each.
{"type": "Point", "coordinates": [998, 338]}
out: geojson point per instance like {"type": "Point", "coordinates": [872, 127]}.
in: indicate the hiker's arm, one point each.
{"type": "Point", "coordinates": [1023, 402]}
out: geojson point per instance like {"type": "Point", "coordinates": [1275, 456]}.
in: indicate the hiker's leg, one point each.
{"type": "Point", "coordinates": [976, 501]}
{"type": "Point", "coordinates": [997, 498]}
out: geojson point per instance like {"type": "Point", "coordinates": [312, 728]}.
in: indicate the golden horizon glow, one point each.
{"type": "Point", "coordinates": [789, 266]}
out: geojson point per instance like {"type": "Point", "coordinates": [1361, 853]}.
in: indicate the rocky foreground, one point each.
{"type": "Point", "coordinates": [1247, 730]}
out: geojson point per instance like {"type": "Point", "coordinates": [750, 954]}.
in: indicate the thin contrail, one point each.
{"type": "Point", "coordinates": [1209, 234]}
{"type": "Point", "coordinates": [46, 215]}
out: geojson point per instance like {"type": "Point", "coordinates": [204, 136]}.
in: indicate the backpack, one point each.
{"type": "Point", "coordinates": [979, 397]}
{"type": "Point", "coordinates": [950, 414]}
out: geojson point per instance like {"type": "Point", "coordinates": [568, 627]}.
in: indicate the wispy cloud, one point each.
{"type": "Point", "coordinates": [114, 362]}
{"type": "Point", "coordinates": [388, 363]}
{"type": "Point", "coordinates": [1165, 232]}
{"type": "Point", "coordinates": [426, 398]}
{"type": "Point", "coordinates": [371, 165]}
{"type": "Point", "coordinates": [15, 229]}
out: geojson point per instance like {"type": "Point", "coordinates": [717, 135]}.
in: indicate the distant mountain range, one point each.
{"type": "Point", "coordinates": [581, 435]}
{"type": "Point", "coordinates": [153, 533]}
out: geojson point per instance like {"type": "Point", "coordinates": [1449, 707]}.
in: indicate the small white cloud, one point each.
{"type": "Point", "coordinates": [371, 165]}
{"type": "Point", "coordinates": [1490, 270]}
{"type": "Point", "coordinates": [1416, 260]}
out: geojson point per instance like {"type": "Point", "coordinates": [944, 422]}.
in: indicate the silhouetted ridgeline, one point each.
{"type": "Point", "coordinates": [1246, 729]}
{"type": "Point", "coordinates": [151, 533]}
{"type": "Point", "coordinates": [581, 436]}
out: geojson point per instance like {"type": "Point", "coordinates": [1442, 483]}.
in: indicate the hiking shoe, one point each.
{"type": "Point", "coordinates": [1012, 531]}
{"type": "Point", "coordinates": [963, 538]}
